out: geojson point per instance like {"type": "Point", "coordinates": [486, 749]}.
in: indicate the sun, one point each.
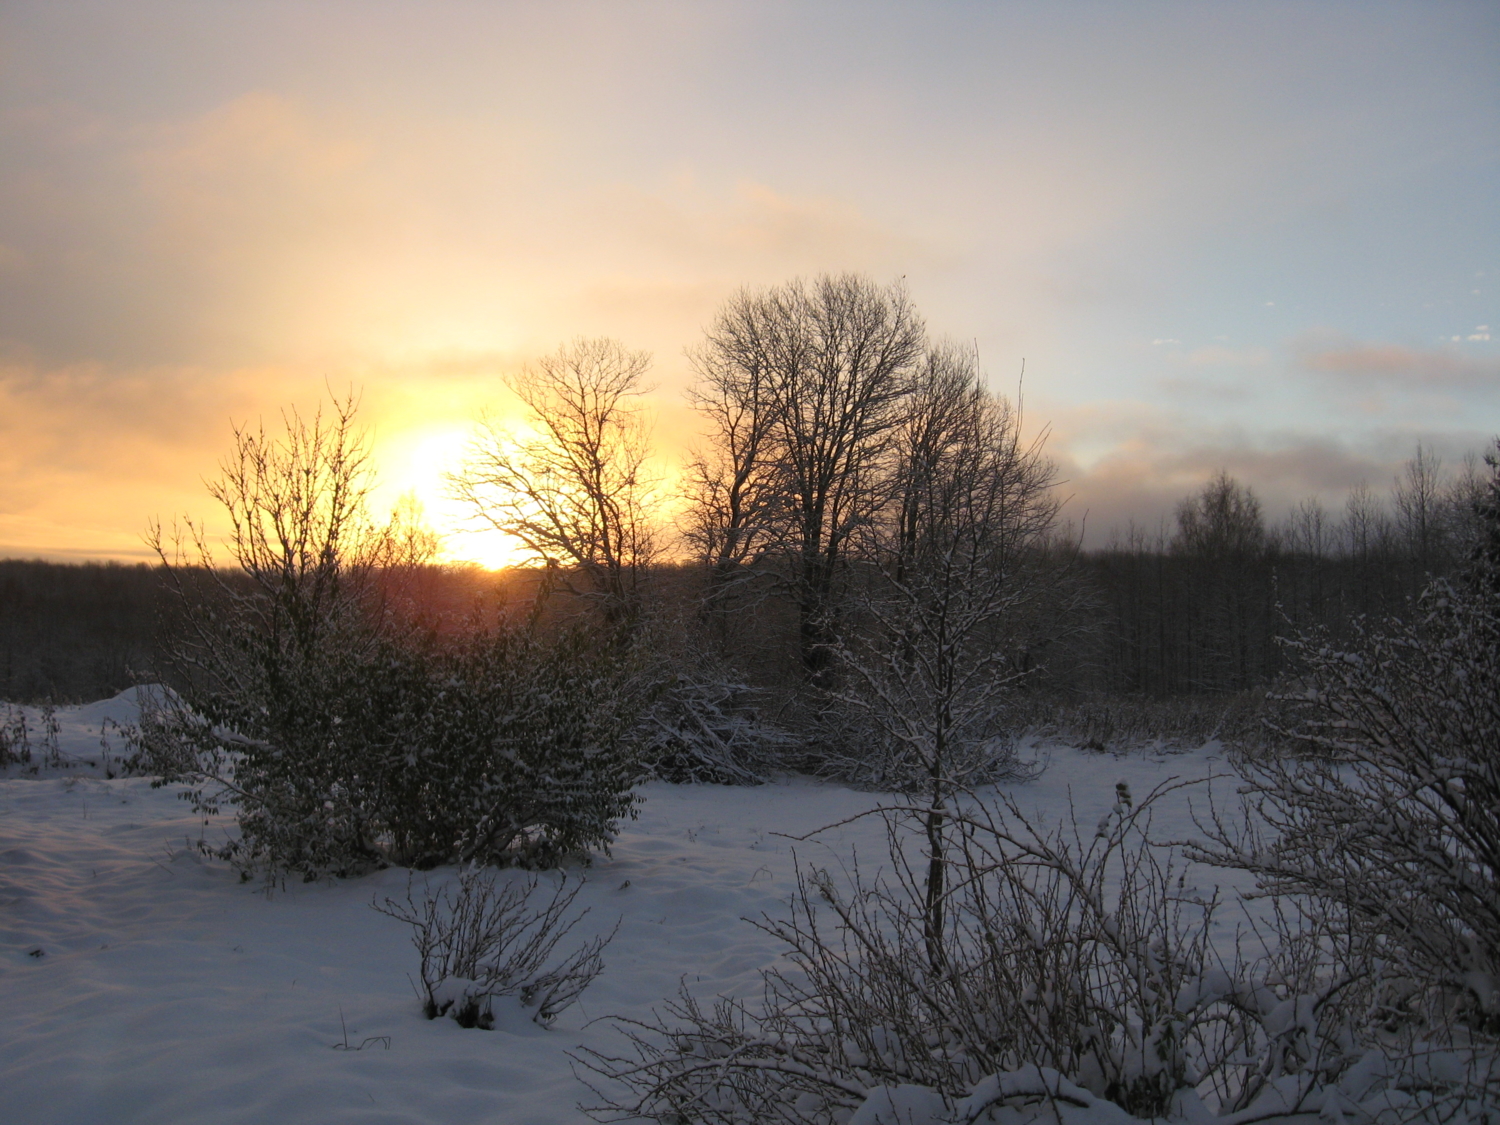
{"type": "Point", "coordinates": [487, 548]}
{"type": "Point", "coordinates": [416, 464]}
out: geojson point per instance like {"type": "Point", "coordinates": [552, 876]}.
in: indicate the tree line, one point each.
{"type": "Point", "coordinates": [1200, 607]}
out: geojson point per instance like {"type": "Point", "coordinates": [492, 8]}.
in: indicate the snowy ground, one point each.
{"type": "Point", "coordinates": [140, 983]}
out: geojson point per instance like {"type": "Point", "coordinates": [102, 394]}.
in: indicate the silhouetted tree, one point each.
{"type": "Point", "coordinates": [804, 385]}
{"type": "Point", "coordinates": [577, 496]}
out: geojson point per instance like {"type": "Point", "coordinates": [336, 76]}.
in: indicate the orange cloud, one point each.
{"type": "Point", "coordinates": [1397, 364]}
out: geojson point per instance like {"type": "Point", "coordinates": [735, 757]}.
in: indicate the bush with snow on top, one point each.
{"type": "Point", "coordinates": [486, 940]}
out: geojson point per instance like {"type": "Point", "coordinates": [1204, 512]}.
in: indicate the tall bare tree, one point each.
{"type": "Point", "coordinates": [804, 385]}
{"type": "Point", "coordinates": [1418, 503]}
{"type": "Point", "coordinates": [736, 509]}
{"type": "Point", "coordinates": [578, 496]}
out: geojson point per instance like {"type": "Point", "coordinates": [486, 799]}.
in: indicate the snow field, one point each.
{"type": "Point", "coordinates": [168, 991]}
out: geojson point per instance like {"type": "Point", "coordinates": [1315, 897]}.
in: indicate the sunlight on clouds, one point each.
{"type": "Point", "coordinates": [203, 226]}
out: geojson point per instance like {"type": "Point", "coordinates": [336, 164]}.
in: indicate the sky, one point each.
{"type": "Point", "coordinates": [1263, 237]}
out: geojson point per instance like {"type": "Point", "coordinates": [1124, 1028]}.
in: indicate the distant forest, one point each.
{"type": "Point", "coordinates": [73, 633]}
{"type": "Point", "coordinates": [1199, 607]}
{"type": "Point", "coordinates": [1190, 608]}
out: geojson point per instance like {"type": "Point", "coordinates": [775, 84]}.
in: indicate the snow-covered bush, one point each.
{"type": "Point", "coordinates": [702, 727]}
{"type": "Point", "coordinates": [487, 940]}
{"type": "Point", "coordinates": [518, 746]}
{"type": "Point", "coordinates": [343, 733]}
{"type": "Point", "coordinates": [1073, 966]}
{"type": "Point", "coordinates": [503, 746]}
{"type": "Point", "coordinates": [1388, 825]}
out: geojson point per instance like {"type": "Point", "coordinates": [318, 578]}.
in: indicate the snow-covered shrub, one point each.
{"type": "Point", "coordinates": [275, 749]}
{"type": "Point", "coordinates": [702, 727]}
{"type": "Point", "coordinates": [265, 656]}
{"type": "Point", "coordinates": [1073, 963]}
{"type": "Point", "coordinates": [1388, 825]}
{"type": "Point", "coordinates": [518, 747]}
{"type": "Point", "coordinates": [344, 733]}
{"type": "Point", "coordinates": [487, 940]}
{"type": "Point", "coordinates": [505, 746]}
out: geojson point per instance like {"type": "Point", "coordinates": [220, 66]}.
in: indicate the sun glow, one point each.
{"type": "Point", "coordinates": [416, 464]}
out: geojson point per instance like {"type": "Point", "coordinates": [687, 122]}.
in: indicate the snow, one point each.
{"type": "Point", "coordinates": [142, 983]}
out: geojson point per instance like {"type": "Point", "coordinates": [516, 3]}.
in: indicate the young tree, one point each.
{"type": "Point", "coordinates": [1418, 502]}
{"type": "Point", "coordinates": [804, 385]}
{"type": "Point", "coordinates": [958, 562]}
{"type": "Point", "coordinates": [578, 496]}
{"type": "Point", "coordinates": [301, 537]}
{"type": "Point", "coordinates": [736, 507]}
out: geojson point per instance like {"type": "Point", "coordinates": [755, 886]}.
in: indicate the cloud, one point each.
{"type": "Point", "coordinates": [89, 454]}
{"type": "Point", "coordinates": [227, 235]}
{"type": "Point", "coordinates": [1127, 462]}
{"type": "Point", "coordinates": [1217, 355]}
{"type": "Point", "coordinates": [1395, 366]}
{"type": "Point", "coordinates": [752, 230]}
{"type": "Point", "coordinates": [1214, 374]}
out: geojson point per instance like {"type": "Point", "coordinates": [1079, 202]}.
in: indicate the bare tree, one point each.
{"type": "Point", "coordinates": [300, 533]}
{"type": "Point", "coordinates": [1366, 525]}
{"type": "Point", "coordinates": [1223, 519]}
{"type": "Point", "coordinates": [736, 506]}
{"type": "Point", "coordinates": [804, 384]}
{"type": "Point", "coordinates": [957, 559]}
{"type": "Point", "coordinates": [1418, 493]}
{"type": "Point", "coordinates": [578, 496]}
{"type": "Point", "coordinates": [1307, 530]}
